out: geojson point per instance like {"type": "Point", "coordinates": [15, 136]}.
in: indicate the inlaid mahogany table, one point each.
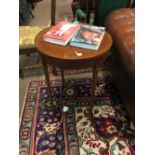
{"type": "Point", "coordinates": [65, 57]}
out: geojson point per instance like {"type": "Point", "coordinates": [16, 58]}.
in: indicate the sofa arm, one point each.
{"type": "Point", "coordinates": [121, 25]}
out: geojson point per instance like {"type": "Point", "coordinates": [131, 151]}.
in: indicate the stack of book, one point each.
{"type": "Point", "coordinates": [82, 36]}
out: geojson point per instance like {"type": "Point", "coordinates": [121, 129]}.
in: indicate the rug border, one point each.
{"type": "Point", "coordinates": [32, 142]}
{"type": "Point", "coordinates": [24, 103]}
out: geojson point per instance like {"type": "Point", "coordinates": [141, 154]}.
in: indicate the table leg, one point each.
{"type": "Point", "coordinates": [62, 76]}
{"type": "Point", "coordinates": [45, 69]}
{"type": "Point", "coordinates": [88, 10]}
{"type": "Point", "coordinates": [21, 75]}
{"type": "Point", "coordinates": [54, 71]}
{"type": "Point", "coordinates": [94, 79]}
{"type": "Point", "coordinates": [53, 8]}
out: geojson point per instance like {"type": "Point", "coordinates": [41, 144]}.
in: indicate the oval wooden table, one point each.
{"type": "Point", "coordinates": [64, 57]}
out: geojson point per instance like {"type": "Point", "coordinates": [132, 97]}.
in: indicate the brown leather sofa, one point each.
{"type": "Point", "coordinates": [121, 25]}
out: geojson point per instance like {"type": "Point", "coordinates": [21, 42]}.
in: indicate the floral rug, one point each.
{"type": "Point", "coordinates": [91, 126]}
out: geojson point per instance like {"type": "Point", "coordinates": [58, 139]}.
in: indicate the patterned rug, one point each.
{"type": "Point", "coordinates": [91, 126]}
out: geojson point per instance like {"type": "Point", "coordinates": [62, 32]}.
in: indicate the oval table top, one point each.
{"type": "Point", "coordinates": [68, 52]}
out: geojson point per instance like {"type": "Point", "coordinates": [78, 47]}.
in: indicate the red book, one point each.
{"type": "Point", "coordinates": [61, 33]}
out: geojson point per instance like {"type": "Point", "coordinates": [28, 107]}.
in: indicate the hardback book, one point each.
{"type": "Point", "coordinates": [61, 33]}
{"type": "Point", "coordinates": [88, 36]}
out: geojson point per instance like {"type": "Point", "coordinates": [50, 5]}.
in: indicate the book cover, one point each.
{"type": "Point", "coordinates": [61, 33]}
{"type": "Point", "coordinates": [89, 37]}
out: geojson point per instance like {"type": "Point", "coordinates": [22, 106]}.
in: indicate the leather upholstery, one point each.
{"type": "Point", "coordinates": [121, 25]}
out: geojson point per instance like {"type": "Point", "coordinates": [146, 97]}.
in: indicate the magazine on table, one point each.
{"type": "Point", "coordinates": [88, 36]}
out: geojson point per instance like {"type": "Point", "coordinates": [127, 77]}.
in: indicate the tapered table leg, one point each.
{"type": "Point", "coordinates": [53, 8]}
{"type": "Point", "coordinates": [94, 79]}
{"type": "Point", "coordinates": [88, 10]}
{"type": "Point", "coordinates": [54, 71]}
{"type": "Point", "coordinates": [45, 69]}
{"type": "Point", "coordinates": [62, 76]}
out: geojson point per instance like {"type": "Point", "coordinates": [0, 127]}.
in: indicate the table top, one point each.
{"type": "Point", "coordinates": [68, 52]}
